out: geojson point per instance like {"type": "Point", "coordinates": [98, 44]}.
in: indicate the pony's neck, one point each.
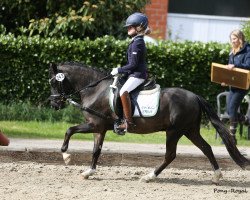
{"type": "Point", "coordinates": [81, 76]}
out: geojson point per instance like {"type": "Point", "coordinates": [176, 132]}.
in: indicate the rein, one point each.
{"type": "Point", "coordinates": [87, 109]}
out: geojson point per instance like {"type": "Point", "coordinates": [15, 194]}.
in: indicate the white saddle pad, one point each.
{"type": "Point", "coordinates": [148, 101]}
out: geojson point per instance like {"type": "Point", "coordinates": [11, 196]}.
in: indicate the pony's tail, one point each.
{"type": "Point", "coordinates": [224, 133]}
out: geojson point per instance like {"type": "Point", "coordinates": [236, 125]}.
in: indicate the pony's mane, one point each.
{"type": "Point", "coordinates": [74, 64]}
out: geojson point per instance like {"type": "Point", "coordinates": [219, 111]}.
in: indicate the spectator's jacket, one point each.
{"type": "Point", "coordinates": [242, 58]}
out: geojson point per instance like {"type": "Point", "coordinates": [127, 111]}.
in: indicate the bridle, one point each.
{"type": "Point", "coordinates": [62, 97]}
{"type": "Point", "coordinates": [61, 88]}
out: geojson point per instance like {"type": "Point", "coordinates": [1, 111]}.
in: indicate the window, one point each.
{"type": "Point", "coordinates": [230, 8]}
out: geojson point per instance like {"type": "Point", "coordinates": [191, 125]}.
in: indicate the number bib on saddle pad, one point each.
{"type": "Point", "coordinates": [147, 100]}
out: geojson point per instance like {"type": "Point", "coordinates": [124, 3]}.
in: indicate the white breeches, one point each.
{"type": "Point", "coordinates": [131, 84]}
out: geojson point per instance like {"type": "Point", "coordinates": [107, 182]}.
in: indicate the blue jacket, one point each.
{"type": "Point", "coordinates": [136, 59]}
{"type": "Point", "coordinates": [242, 58]}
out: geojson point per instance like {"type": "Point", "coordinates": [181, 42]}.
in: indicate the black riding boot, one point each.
{"type": "Point", "coordinates": [233, 130]}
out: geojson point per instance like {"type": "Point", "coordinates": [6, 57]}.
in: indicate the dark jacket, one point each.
{"type": "Point", "coordinates": [136, 59]}
{"type": "Point", "coordinates": [242, 58]}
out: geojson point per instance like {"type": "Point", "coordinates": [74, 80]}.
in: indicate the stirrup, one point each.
{"type": "Point", "coordinates": [118, 130]}
{"type": "Point", "coordinates": [128, 125]}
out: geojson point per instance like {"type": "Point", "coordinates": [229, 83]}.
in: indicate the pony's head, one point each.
{"type": "Point", "coordinates": [60, 87]}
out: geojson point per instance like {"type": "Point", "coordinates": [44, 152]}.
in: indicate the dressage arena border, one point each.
{"type": "Point", "coordinates": [111, 158]}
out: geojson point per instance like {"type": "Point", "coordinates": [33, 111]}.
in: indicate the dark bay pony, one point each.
{"type": "Point", "coordinates": [179, 114]}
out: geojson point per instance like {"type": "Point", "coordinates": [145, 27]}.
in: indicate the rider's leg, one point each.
{"type": "Point", "coordinates": [129, 86]}
{"type": "Point", "coordinates": [127, 110]}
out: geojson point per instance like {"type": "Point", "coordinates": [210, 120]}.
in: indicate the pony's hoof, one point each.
{"type": "Point", "coordinates": [66, 158]}
{"type": "Point", "coordinates": [148, 178]}
{"type": "Point", "coordinates": [64, 148]}
{"type": "Point", "coordinates": [88, 173]}
{"type": "Point", "coordinates": [217, 177]}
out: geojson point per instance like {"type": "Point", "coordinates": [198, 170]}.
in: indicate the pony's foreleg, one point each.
{"type": "Point", "coordinates": [172, 139]}
{"type": "Point", "coordinates": [82, 128]}
{"type": "Point", "coordinates": [98, 142]}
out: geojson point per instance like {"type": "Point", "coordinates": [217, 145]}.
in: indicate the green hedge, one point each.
{"type": "Point", "coordinates": [22, 112]}
{"type": "Point", "coordinates": [24, 63]}
{"type": "Point", "coordinates": [188, 65]}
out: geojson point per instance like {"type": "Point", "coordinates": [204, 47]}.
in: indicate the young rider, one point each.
{"type": "Point", "coordinates": [136, 67]}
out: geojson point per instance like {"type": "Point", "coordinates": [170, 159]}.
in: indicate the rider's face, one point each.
{"type": "Point", "coordinates": [131, 31]}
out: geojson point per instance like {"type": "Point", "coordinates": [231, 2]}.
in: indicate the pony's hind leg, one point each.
{"type": "Point", "coordinates": [171, 143]}
{"type": "Point", "coordinates": [198, 141]}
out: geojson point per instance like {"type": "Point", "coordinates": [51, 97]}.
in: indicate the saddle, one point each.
{"type": "Point", "coordinates": [144, 99]}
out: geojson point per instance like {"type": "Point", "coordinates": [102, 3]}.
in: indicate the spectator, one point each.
{"type": "Point", "coordinates": [239, 57]}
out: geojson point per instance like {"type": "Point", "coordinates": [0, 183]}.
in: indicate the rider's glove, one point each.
{"type": "Point", "coordinates": [114, 71]}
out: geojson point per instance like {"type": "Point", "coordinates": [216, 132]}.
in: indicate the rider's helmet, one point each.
{"type": "Point", "coordinates": [137, 20]}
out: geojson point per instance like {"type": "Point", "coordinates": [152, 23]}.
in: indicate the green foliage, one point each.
{"type": "Point", "coordinates": [2, 29]}
{"type": "Point", "coordinates": [70, 18]}
{"type": "Point", "coordinates": [246, 30]}
{"type": "Point", "coordinates": [25, 60]}
{"type": "Point", "coordinates": [17, 13]}
{"type": "Point", "coordinates": [28, 112]}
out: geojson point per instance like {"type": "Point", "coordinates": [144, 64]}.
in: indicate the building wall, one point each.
{"type": "Point", "coordinates": [157, 11]}
{"type": "Point", "coordinates": [207, 21]}
{"type": "Point", "coordinates": [190, 20]}
{"type": "Point", "coordinates": [230, 8]}
{"type": "Point", "coordinates": [204, 28]}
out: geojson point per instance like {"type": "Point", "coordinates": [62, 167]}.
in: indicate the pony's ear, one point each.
{"type": "Point", "coordinates": [53, 68]}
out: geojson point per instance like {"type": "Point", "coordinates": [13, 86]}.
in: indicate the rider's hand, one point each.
{"type": "Point", "coordinates": [114, 71]}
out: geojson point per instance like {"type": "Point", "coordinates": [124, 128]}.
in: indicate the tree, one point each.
{"type": "Point", "coordinates": [71, 18]}
{"type": "Point", "coordinates": [246, 30]}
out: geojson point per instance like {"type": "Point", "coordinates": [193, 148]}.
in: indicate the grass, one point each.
{"type": "Point", "coordinates": [56, 130]}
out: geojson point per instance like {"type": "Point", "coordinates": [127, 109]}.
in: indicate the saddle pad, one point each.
{"type": "Point", "coordinates": [148, 101]}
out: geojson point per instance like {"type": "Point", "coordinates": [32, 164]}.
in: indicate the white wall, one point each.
{"type": "Point", "coordinates": [203, 28]}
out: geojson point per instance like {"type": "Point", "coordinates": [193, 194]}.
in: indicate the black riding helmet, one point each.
{"type": "Point", "coordinates": [137, 19]}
